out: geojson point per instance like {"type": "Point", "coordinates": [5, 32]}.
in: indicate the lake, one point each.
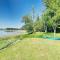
{"type": "Point", "coordinates": [16, 32]}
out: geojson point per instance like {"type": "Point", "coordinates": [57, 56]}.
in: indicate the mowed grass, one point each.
{"type": "Point", "coordinates": [32, 49]}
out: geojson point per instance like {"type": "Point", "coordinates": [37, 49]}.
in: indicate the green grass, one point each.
{"type": "Point", "coordinates": [5, 41]}
{"type": "Point", "coordinates": [30, 47]}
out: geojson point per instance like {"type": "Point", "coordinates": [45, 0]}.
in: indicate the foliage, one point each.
{"type": "Point", "coordinates": [52, 4]}
{"type": "Point", "coordinates": [49, 20]}
{"type": "Point", "coordinates": [28, 24]}
{"type": "Point", "coordinates": [39, 24]}
{"type": "Point", "coordinates": [54, 12]}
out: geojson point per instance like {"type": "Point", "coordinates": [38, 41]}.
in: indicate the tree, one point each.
{"type": "Point", "coordinates": [54, 6]}
{"type": "Point", "coordinates": [38, 24]}
{"type": "Point", "coordinates": [28, 24]}
{"type": "Point", "coordinates": [46, 18]}
{"type": "Point", "coordinates": [54, 24]}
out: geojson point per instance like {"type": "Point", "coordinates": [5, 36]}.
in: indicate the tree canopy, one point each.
{"type": "Point", "coordinates": [49, 19]}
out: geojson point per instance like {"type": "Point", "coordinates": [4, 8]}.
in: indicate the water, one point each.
{"type": "Point", "coordinates": [5, 33]}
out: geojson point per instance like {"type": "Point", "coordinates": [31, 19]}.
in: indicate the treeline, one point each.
{"type": "Point", "coordinates": [48, 22]}
{"type": "Point", "coordinates": [9, 28]}
{"type": "Point", "coordinates": [12, 29]}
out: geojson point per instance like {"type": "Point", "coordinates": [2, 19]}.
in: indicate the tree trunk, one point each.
{"type": "Point", "coordinates": [54, 32]}
{"type": "Point", "coordinates": [46, 29]}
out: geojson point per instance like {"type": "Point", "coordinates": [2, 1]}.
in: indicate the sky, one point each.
{"type": "Point", "coordinates": [12, 11]}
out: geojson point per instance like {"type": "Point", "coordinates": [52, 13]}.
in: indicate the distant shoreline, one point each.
{"type": "Point", "coordinates": [14, 33]}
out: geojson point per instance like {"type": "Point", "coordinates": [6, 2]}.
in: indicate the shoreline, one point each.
{"type": "Point", "coordinates": [11, 34]}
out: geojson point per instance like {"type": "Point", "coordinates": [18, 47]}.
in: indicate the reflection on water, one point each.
{"type": "Point", "coordinates": [7, 33]}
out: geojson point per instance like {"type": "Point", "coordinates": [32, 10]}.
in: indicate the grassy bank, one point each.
{"type": "Point", "coordinates": [32, 49]}
{"type": "Point", "coordinates": [7, 41]}
{"type": "Point", "coordinates": [29, 47]}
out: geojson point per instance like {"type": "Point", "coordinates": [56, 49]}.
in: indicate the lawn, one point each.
{"type": "Point", "coordinates": [32, 49]}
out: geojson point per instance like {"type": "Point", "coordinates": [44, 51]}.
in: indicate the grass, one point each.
{"type": "Point", "coordinates": [31, 48]}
